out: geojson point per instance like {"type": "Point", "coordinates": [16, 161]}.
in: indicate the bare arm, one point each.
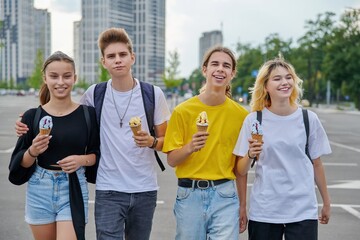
{"type": "Point", "coordinates": [178, 156]}
{"type": "Point", "coordinates": [20, 128]}
{"type": "Point", "coordinates": [241, 185]}
{"type": "Point", "coordinates": [144, 139]}
{"type": "Point", "coordinates": [243, 163]}
{"type": "Point", "coordinates": [321, 184]}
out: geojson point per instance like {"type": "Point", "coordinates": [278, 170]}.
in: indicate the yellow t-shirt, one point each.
{"type": "Point", "coordinates": [214, 161]}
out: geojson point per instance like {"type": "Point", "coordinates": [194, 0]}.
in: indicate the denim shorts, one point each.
{"type": "Point", "coordinates": [47, 196]}
{"type": "Point", "coordinates": [208, 213]}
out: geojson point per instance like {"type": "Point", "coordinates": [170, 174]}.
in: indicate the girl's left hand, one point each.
{"type": "Point", "coordinates": [70, 164]}
{"type": "Point", "coordinates": [325, 215]}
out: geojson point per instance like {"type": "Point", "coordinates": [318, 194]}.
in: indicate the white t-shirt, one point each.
{"type": "Point", "coordinates": [124, 167]}
{"type": "Point", "coordinates": [284, 188]}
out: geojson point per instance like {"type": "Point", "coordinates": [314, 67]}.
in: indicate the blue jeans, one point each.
{"type": "Point", "coordinates": [47, 196]}
{"type": "Point", "coordinates": [119, 215]}
{"type": "Point", "coordinates": [211, 213]}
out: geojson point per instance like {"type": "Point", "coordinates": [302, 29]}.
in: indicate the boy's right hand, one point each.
{"type": "Point", "coordinates": [20, 128]}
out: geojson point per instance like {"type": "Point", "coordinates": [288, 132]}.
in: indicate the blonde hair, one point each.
{"type": "Point", "coordinates": [206, 61]}
{"type": "Point", "coordinates": [44, 93]}
{"type": "Point", "coordinates": [260, 97]}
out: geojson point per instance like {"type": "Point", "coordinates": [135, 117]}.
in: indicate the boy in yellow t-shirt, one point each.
{"type": "Point", "coordinates": [207, 206]}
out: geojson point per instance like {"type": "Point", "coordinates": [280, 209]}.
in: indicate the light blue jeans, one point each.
{"type": "Point", "coordinates": [47, 196]}
{"type": "Point", "coordinates": [207, 214]}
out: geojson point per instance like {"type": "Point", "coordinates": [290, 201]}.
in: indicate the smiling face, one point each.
{"type": "Point", "coordinates": [118, 60]}
{"type": "Point", "coordinates": [60, 77]}
{"type": "Point", "coordinates": [218, 70]}
{"type": "Point", "coordinates": [280, 84]}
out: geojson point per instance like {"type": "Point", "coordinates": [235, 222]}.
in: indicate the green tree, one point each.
{"type": "Point", "coordinates": [196, 81]}
{"type": "Point", "coordinates": [104, 74]}
{"type": "Point", "coordinates": [312, 48]}
{"type": "Point", "coordinates": [170, 75]}
{"type": "Point", "coordinates": [342, 63]}
{"type": "Point", "coordinates": [248, 62]}
{"type": "Point", "coordinates": [36, 78]}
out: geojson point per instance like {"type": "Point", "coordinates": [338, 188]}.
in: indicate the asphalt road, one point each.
{"type": "Point", "coordinates": [342, 171]}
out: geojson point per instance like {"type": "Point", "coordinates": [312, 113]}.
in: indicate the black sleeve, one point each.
{"type": "Point", "coordinates": [94, 139]}
{"type": "Point", "coordinates": [18, 174]}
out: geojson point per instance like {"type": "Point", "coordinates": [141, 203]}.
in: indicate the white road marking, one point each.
{"type": "Point", "coordinates": [345, 146]}
{"type": "Point", "coordinates": [157, 202]}
{"type": "Point", "coordinates": [346, 184]}
{"type": "Point", "coordinates": [340, 164]}
{"type": "Point", "coordinates": [7, 150]}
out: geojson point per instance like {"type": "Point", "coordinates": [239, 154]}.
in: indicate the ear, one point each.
{"type": "Point", "coordinates": [102, 60]}
{"type": "Point", "coordinates": [133, 58]}
{"type": "Point", "coordinates": [44, 78]}
{"type": "Point", "coordinates": [75, 78]}
{"type": "Point", "coordinates": [203, 70]}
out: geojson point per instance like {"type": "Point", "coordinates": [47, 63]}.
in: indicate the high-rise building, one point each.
{"type": "Point", "coordinates": [143, 20]}
{"type": "Point", "coordinates": [25, 30]}
{"type": "Point", "coordinates": [208, 40]}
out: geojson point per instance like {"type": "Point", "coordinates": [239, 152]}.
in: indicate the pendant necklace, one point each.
{"type": "Point", "coordinates": [117, 111]}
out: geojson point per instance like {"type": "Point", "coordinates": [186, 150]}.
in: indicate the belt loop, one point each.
{"type": "Point", "coordinates": [42, 172]}
{"type": "Point", "coordinates": [212, 184]}
{"type": "Point", "coordinates": [193, 185]}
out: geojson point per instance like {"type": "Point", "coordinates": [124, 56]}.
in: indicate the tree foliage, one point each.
{"type": "Point", "coordinates": [36, 78]}
{"type": "Point", "coordinates": [171, 73]}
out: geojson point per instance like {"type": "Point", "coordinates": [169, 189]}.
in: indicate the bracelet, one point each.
{"type": "Point", "coordinates": [154, 143]}
{"type": "Point", "coordinates": [33, 156]}
{"type": "Point", "coordinates": [248, 153]}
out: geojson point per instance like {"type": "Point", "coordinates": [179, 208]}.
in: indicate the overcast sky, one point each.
{"type": "Point", "coordinates": [245, 21]}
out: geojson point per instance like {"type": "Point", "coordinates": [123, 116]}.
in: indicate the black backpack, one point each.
{"type": "Point", "coordinates": [306, 123]}
{"type": "Point", "coordinates": [148, 95]}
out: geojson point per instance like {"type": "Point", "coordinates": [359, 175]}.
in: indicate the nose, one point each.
{"type": "Point", "coordinates": [117, 58]}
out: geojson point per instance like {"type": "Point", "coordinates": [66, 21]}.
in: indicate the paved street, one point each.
{"type": "Point", "coordinates": [342, 169]}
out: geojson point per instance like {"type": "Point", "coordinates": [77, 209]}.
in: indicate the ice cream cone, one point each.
{"type": "Point", "coordinates": [202, 128]}
{"type": "Point", "coordinates": [257, 137]}
{"type": "Point", "coordinates": [135, 129]}
{"type": "Point", "coordinates": [45, 131]}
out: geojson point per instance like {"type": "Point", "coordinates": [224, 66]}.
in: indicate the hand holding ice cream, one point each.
{"type": "Point", "coordinates": [135, 125]}
{"type": "Point", "coordinates": [257, 132]}
{"type": "Point", "coordinates": [202, 122]}
{"type": "Point", "coordinates": [45, 125]}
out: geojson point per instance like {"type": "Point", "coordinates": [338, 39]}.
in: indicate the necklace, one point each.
{"type": "Point", "coordinates": [117, 111]}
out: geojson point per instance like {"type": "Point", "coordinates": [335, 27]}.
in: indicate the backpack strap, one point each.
{"type": "Point", "coordinates": [99, 94]}
{"type": "Point", "coordinates": [148, 96]}
{"type": "Point", "coordinates": [88, 121]}
{"type": "Point", "coordinates": [307, 129]}
{"type": "Point", "coordinates": [259, 118]}
{"type": "Point", "coordinates": [36, 121]}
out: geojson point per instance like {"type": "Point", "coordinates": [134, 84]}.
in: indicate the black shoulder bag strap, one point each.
{"type": "Point", "coordinates": [307, 129]}
{"type": "Point", "coordinates": [259, 118]}
{"type": "Point", "coordinates": [99, 94]}
{"type": "Point", "coordinates": [36, 121]}
{"type": "Point", "coordinates": [148, 95]}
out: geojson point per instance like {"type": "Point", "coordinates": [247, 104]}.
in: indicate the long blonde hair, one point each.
{"type": "Point", "coordinates": [259, 96]}
{"type": "Point", "coordinates": [206, 61]}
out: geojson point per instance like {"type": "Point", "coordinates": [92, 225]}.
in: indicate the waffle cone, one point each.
{"type": "Point", "coordinates": [45, 131]}
{"type": "Point", "coordinates": [135, 129]}
{"type": "Point", "coordinates": [201, 128]}
{"type": "Point", "coordinates": [259, 138]}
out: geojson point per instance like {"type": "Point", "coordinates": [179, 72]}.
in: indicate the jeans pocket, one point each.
{"type": "Point", "coordinates": [226, 190]}
{"type": "Point", "coordinates": [35, 178]}
{"type": "Point", "coordinates": [183, 193]}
